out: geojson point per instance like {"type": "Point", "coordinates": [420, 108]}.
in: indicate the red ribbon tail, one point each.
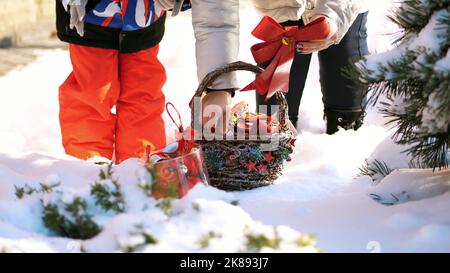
{"type": "Point", "coordinates": [249, 87]}
{"type": "Point", "coordinates": [257, 85]}
{"type": "Point", "coordinates": [279, 47]}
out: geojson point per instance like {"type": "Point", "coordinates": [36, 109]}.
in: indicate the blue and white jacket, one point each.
{"type": "Point", "coordinates": [125, 25]}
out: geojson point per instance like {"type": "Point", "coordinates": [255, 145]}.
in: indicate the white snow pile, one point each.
{"type": "Point", "coordinates": [123, 218]}
{"type": "Point", "coordinates": [320, 192]}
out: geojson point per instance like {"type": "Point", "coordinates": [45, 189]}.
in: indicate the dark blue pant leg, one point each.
{"type": "Point", "coordinates": [339, 92]}
{"type": "Point", "coordinates": [343, 99]}
{"type": "Point", "coordinates": [297, 81]}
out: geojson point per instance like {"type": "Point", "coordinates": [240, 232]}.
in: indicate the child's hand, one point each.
{"type": "Point", "coordinates": [165, 4]}
{"type": "Point", "coordinates": [319, 45]}
{"type": "Point", "coordinates": [77, 12]}
{"type": "Point", "coordinates": [216, 109]}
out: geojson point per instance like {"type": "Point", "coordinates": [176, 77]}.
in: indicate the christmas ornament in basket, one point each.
{"type": "Point", "coordinates": [177, 168]}
{"type": "Point", "coordinates": [254, 150]}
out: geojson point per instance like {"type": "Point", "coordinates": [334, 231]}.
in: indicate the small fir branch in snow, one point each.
{"type": "Point", "coordinates": [48, 188]}
{"type": "Point", "coordinates": [25, 190]}
{"type": "Point", "coordinates": [146, 183]}
{"type": "Point", "coordinates": [256, 242]}
{"type": "Point", "coordinates": [108, 174]}
{"type": "Point", "coordinates": [375, 169]}
{"type": "Point", "coordinates": [206, 239]}
{"type": "Point", "coordinates": [21, 192]}
{"type": "Point", "coordinates": [107, 192]}
{"type": "Point", "coordinates": [109, 199]}
{"type": "Point", "coordinates": [166, 205]}
{"type": "Point", "coordinates": [145, 239]}
{"type": "Point", "coordinates": [72, 219]}
{"type": "Point", "coordinates": [74, 222]}
{"type": "Point", "coordinates": [306, 241]}
{"type": "Point", "coordinates": [149, 240]}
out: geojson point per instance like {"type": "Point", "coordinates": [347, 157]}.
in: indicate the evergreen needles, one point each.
{"type": "Point", "coordinates": [415, 80]}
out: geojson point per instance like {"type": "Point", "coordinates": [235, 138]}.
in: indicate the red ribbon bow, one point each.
{"type": "Point", "coordinates": [279, 46]}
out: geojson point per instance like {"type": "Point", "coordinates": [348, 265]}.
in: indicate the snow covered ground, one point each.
{"type": "Point", "coordinates": [319, 193]}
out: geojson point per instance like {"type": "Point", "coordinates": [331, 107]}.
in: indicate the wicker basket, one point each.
{"type": "Point", "coordinates": [233, 173]}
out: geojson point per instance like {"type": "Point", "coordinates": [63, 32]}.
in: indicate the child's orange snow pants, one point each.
{"type": "Point", "coordinates": [102, 79]}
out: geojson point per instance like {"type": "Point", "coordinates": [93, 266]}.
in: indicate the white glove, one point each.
{"type": "Point", "coordinates": [165, 4]}
{"type": "Point", "coordinates": [174, 5]}
{"type": "Point", "coordinates": [77, 12]}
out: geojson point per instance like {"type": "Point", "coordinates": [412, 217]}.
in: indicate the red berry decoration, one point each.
{"type": "Point", "coordinates": [293, 142]}
{"type": "Point", "coordinates": [251, 166]}
{"type": "Point", "coordinates": [269, 157]}
{"type": "Point", "coordinates": [262, 169]}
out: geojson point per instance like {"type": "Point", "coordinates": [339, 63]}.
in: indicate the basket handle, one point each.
{"type": "Point", "coordinates": [236, 66]}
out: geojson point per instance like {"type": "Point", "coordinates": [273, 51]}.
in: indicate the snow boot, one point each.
{"type": "Point", "coordinates": [346, 119]}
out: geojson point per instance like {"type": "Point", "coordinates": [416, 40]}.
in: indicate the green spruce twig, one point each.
{"type": "Point", "coordinates": [375, 169]}
{"type": "Point", "coordinates": [107, 192]}
{"type": "Point", "coordinates": [72, 221]}
{"type": "Point", "coordinates": [27, 190]}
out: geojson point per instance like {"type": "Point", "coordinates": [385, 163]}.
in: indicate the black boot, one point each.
{"type": "Point", "coordinates": [346, 119]}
